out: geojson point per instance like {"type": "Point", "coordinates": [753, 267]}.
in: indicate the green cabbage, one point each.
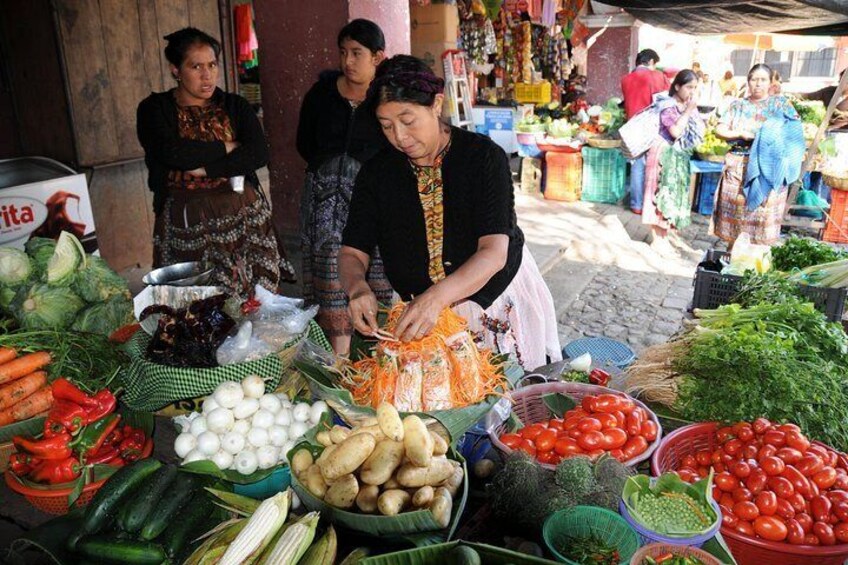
{"type": "Point", "coordinates": [42, 306]}
{"type": "Point", "coordinates": [66, 259]}
{"type": "Point", "coordinates": [105, 317]}
{"type": "Point", "coordinates": [6, 296]}
{"type": "Point", "coordinates": [40, 249]}
{"type": "Point", "coordinates": [96, 282]}
{"type": "Point", "coordinates": [15, 267]}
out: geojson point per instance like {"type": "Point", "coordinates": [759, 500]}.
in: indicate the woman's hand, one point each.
{"type": "Point", "coordinates": [692, 105]}
{"type": "Point", "coordinates": [199, 172]}
{"type": "Point", "coordinates": [230, 145]}
{"type": "Point", "coordinates": [420, 316]}
{"type": "Point", "coordinates": [362, 308]}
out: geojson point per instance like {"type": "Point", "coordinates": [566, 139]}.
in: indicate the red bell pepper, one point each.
{"type": "Point", "coordinates": [56, 471]}
{"type": "Point", "coordinates": [132, 445]}
{"type": "Point", "coordinates": [114, 438]}
{"type": "Point", "coordinates": [104, 455]}
{"type": "Point", "coordinates": [57, 447]}
{"type": "Point", "coordinates": [65, 415]}
{"type": "Point", "coordinates": [63, 389]}
{"type": "Point", "coordinates": [22, 463]}
{"type": "Point", "coordinates": [599, 377]}
{"type": "Point", "coordinates": [106, 404]}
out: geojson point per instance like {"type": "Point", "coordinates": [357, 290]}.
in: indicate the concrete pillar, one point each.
{"type": "Point", "coordinates": [613, 44]}
{"type": "Point", "coordinates": [393, 18]}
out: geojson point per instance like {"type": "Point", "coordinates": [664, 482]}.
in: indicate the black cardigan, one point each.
{"type": "Point", "coordinates": [164, 150]}
{"type": "Point", "coordinates": [385, 210]}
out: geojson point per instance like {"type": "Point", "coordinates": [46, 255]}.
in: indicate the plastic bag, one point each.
{"type": "Point", "coordinates": [747, 256]}
{"type": "Point", "coordinates": [274, 306]}
{"type": "Point", "coordinates": [242, 347]}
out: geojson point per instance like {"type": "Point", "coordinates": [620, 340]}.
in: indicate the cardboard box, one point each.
{"type": "Point", "coordinates": [431, 53]}
{"type": "Point", "coordinates": [434, 23]}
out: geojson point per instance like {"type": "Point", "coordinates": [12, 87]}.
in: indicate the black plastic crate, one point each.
{"type": "Point", "coordinates": [714, 289]}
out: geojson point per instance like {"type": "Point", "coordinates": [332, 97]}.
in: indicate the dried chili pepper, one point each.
{"type": "Point", "coordinates": [56, 471]}
{"type": "Point", "coordinates": [53, 448]}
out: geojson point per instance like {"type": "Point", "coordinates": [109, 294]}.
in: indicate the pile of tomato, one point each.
{"type": "Point", "coordinates": [772, 483]}
{"type": "Point", "coordinates": [605, 423]}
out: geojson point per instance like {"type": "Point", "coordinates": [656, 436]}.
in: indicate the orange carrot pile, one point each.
{"type": "Point", "coordinates": [441, 371]}
{"type": "Point", "coordinates": [24, 391]}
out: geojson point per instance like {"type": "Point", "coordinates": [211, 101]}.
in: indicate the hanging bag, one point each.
{"type": "Point", "coordinates": [640, 132]}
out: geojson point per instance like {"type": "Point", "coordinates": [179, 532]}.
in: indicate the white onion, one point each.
{"type": "Point", "coordinates": [297, 429]}
{"type": "Point", "coordinates": [209, 405]}
{"type": "Point", "coordinates": [316, 411]}
{"type": "Point", "coordinates": [301, 412]}
{"type": "Point", "coordinates": [295, 501]}
{"type": "Point", "coordinates": [241, 427]}
{"type": "Point", "coordinates": [267, 456]}
{"type": "Point", "coordinates": [263, 419]}
{"type": "Point", "coordinates": [193, 455]}
{"type": "Point", "coordinates": [285, 450]}
{"type": "Point", "coordinates": [253, 386]}
{"type": "Point", "coordinates": [257, 437]}
{"type": "Point", "coordinates": [233, 442]}
{"type": "Point", "coordinates": [246, 408]}
{"type": "Point", "coordinates": [228, 394]}
{"type": "Point", "coordinates": [208, 443]}
{"type": "Point", "coordinates": [278, 435]}
{"type": "Point", "coordinates": [223, 460]}
{"type": "Point", "coordinates": [220, 420]}
{"type": "Point", "coordinates": [271, 403]}
{"type": "Point", "coordinates": [198, 426]}
{"type": "Point", "coordinates": [283, 417]}
{"type": "Point", "coordinates": [283, 397]}
{"type": "Point", "coordinates": [246, 462]}
{"type": "Point", "coordinates": [184, 443]}
{"type": "Point", "coordinates": [583, 363]}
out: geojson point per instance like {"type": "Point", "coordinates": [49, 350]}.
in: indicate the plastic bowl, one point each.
{"type": "Point", "coordinates": [650, 536]}
{"type": "Point", "coordinates": [584, 521]}
{"type": "Point", "coordinates": [278, 481]}
{"type": "Point", "coordinates": [657, 549]}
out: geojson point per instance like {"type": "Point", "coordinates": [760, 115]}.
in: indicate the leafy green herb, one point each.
{"type": "Point", "coordinates": [800, 252]}
{"type": "Point", "coordinates": [575, 376]}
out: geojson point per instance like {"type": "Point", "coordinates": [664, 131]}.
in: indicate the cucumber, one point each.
{"type": "Point", "coordinates": [175, 540]}
{"type": "Point", "coordinates": [135, 510]}
{"type": "Point", "coordinates": [109, 549]}
{"type": "Point", "coordinates": [103, 507]}
{"type": "Point", "coordinates": [180, 492]}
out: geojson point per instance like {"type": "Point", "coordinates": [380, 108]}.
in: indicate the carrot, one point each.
{"type": "Point", "coordinates": [7, 354]}
{"type": "Point", "coordinates": [23, 366]}
{"type": "Point", "coordinates": [124, 333]}
{"type": "Point", "coordinates": [18, 390]}
{"type": "Point", "coordinates": [28, 407]}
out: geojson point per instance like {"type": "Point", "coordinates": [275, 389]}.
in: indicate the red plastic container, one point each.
{"type": "Point", "coordinates": [563, 176]}
{"type": "Point", "coordinates": [745, 549]}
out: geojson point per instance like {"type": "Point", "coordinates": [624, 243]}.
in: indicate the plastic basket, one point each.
{"type": "Point", "coordinates": [528, 406]}
{"type": "Point", "coordinates": [656, 549]}
{"type": "Point", "coordinates": [55, 500]}
{"type": "Point", "coordinates": [836, 228]}
{"type": "Point", "coordinates": [604, 175]}
{"type": "Point", "coordinates": [650, 536]}
{"type": "Point", "coordinates": [714, 289]}
{"type": "Point", "coordinates": [278, 481]}
{"type": "Point", "coordinates": [585, 521]}
{"type": "Point", "coordinates": [563, 176]}
{"type": "Point", "coordinates": [707, 185]}
{"type": "Point", "coordinates": [746, 550]}
{"type": "Point", "coordinates": [602, 349]}
{"type": "Point", "coordinates": [539, 93]}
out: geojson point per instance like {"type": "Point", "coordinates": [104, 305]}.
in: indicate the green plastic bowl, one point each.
{"type": "Point", "coordinates": [278, 481]}
{"type": "Point", "coordinates": [584, 521]}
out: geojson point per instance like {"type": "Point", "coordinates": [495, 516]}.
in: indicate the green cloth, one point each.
{"type": "Point", "coordinates": [673, 187]}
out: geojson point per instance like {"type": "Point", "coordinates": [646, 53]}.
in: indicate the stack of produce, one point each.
{"type": "Point", "coordinates": [389, 467]}
{"type": "Point", "coordinates": [80, 430]}
{"type": "Point", "coordinates": [800, 252]}
{"type": "Point", "coordinates": [243, 428]}
{"type": "Point", "coordinates": [441, 371]}
{"type": "Point", "coordinates": [712, 146]}
{"type": "Point", "coordinates": [24, 391]}
{"type": "Point", "coordinates": [56, 285]}
{"type": "Point", "coordinates": [773, 483]}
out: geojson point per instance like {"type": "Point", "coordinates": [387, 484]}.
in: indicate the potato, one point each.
{"type": "Point", "coordinates": [325, 454]}
{"type": "Point", "coordinates": [382, 463]}
{"type": "Point", "coordinates": [348, 456]}
{"type": "Point", "coordinates": [440, 446]}
{"type": "Point", "coordinates": [339, 433]}
{"type": "Point", "coordinates": [301, 461]}
{"type": "Point", "coordinates": [417, 441]}
{"type": "Point", "coordinates": [373, 430]}
{"type": "Point", "coordinates": [343, 492]}
{"type": "Point", "coordinates": [323, 437]}
{"type": "Point", "coordinates": [367, 421]}
{"type": "Point", "coordinates": [392, 502]}
{"type": "Point", "coordinates": [441, 507]}
{"type": "Point", "coordinates": [423, 497]}
{"type": "Point", "coordinates": [438, 472]}
{"type": "Point", "coordinates": [454, 482]}
{"type": "Point", "coordinates": [366, 500]}
{"type": "Point", "coordinates": [314, 481]}
{"type": "Point", "coordinates": [389, 421]}
{"type": "Point", "coordinates": [391, 484]}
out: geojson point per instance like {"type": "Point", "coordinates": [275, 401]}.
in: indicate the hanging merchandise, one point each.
{"type": "Point", "coordinates": [246, 42]}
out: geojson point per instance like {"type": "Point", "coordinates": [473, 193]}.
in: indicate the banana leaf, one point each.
{"type": "Point", "coordinates": [206, 467]}
{"type": "Point", "coordinates": [443, 552]}
{"type": "Point", "coordinates": [456, 422]}
{"type": "Point", "coordinates": [28, 428]}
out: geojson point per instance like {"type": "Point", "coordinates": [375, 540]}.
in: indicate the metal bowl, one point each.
{"type": "Point", "coordinates": [192, 273]}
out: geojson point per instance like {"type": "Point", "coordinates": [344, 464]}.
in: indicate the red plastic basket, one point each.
{"type": "Point", "coordinates": [528, 406]}
{"type": "Point", "coordinates": [746, 550]}
{"type": "Point", "coordinates": [657, 549]}
{"type": "Point", "coordinates": [55, 500]}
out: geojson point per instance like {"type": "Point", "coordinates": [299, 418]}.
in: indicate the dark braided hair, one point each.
{"type": "Point", "coordinates": [180, 41]}
{"type": "Point", "coordinates": [404, 78]}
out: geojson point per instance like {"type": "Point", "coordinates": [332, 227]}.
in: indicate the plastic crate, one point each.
{"type": "Point", "coordinates": [714, 289]}
{"type": "Point", "coordinates": [707, 185]}
{"type": "Point", "coordinates": [539, 93]}
{"type": "Point", "coordinates": [836, 229]}
{"type": "Point", "coordinates": [563, 176]}
{"type": "Point", "coordinates": [604, 175]}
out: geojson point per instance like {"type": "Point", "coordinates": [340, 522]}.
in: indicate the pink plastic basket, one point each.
{"type": "Point", "coordinates": [528, 406]}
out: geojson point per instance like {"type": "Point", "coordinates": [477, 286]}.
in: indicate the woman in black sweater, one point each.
{"type": "Point", "coordinates": [439, 204]}
{"type": "Point", "coordinates": [196, 138]}
{"type": "Point", "coordinates": [335, 136]}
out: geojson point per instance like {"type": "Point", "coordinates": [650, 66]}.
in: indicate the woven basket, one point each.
{"type": "Point", "coordinates": [710, 158]}
{"type": "Point", "coordinates": [601, 143]}
{"type": "Point", "coordinates": [839, 183]}
{"type": "Point", "coordinates": [528, 406]}
{"type": "Point", "coordinates": [55, 500]}
{"type": "Point", "coordinates": [656, 549]}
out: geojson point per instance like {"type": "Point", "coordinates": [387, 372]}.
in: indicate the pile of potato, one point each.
{"type": "Point", "coordinates": [387, 466]}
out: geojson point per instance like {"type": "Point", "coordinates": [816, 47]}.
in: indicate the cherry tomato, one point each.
{"type": "Point", "coordinates": [689, 461]}
{"type": "Point", "coordinates": [567, 446]}
{"type": "Point", "coordinates": [726, 482]}
{"type": "Point", "coordinates": [820, 451]}
{"type": "Point", "coordinates": [617, 454]}
{"type": "Point", "coordinates": [784, 509]}
{"type": "Point", "coordinates": [595, 453]}
{"type": "Point", "coordinates": [820, 506]}
{"type": "Point", "coordinates": [591, 441]}
{"type": "Point", "coordinates": [775, 438]}
{"type": "Point", "coordinates": [724, 433]}
{"type": "Point", "coordinates": [761, 426]}
{"type": "Point", "coordinates": [635, 446]}
{"type": "Point", "coordinates": [811, 539]}
{"type": "Point", "coordinates": [589, 404]}
{"type": "Point", "coordinates": [546, 440]}
{"type": "Point", "coordinates": [633, 425]}
{"type": "Point", "coordinates": [773, 466]}
{"type": "Point", "coordinates": [757, 480]}
{"type": "Point", "coordinates": [797, 440]}
{"type": "Point", "coordinates": [512, 441]}
{"type": "Point", "coordinates": [799, 503]}
{"type": "Point", "coordinates": [766, 501]}
{"type": "Point", "coordinates": [528, 447]}
{"type": "Point", "coordinates": [726, 500]}
{"type": "Point", "coordinates": [532, 431]}
{"type": "Point", "coordinates": [614, 438]}
{"type": "Point", "coordinates": [574, 433]}
{"type": "Point", "coordinates": [608, 403]}
{"type": "Point", "coordinates": [719, 467]}
{"type": "Point", "coordinates": [704, 457]}
{"type": "Point", "coordinates": [789, 455]}
{"type": "Point", "coordinates": [741, 470]}
{"type": "Point", "coordinates": [787, 428]}
{"type": "Point", "coordinates": [814, 489]}
{"type": "Point", "coordinates": [556, 424]}
{"type": "Point", "coordinates": [750, 451]}
{"type": "Point", "coordinates": [810, 464]}
{"type": "Point", "coordinates": [745, 433]}
{"type": "Point", "coordinates": [798, 480]}
{"type": "Point", "coordinates": [837, 495]}
{"type": "Point", "coordinates": [824, 532]}
{"type": "Point", "coordinates": [841, 482]}
{"type": "Point", "coordinates": [825, 478]}
{"type": "Point", "coordinates": [589, 424]}
{"type": "Point", "coordinates": [840, 530]}
{"type": "Point", "coordinates": [649, 430]}
{"type": "Point", "coordinates": [546, 457]}
{"type": "Point", "coordinates": [794, 532]}
{"type": "Point", "coordinates": [620, 417]}
{"type": "Point", "coordinates": [627, 406]}
{"type": "Point", "coordinates": [746, 510]}
{"type": "Point", "coordinates": [780, 486]}
{"type": "Point", "coordinates": [766, 451]}
{"type": "Point", "coordinates": [728, 518]}
{"type": "Point", "coordinates": [840, 509]}
{"type": "Point", "coordinates": [741, 494]}
{"type": "Point", "coordinates": [744, 527]}
{"type": "Point", "coordinates": [806, 521]}
{"type": "Point", "coordinates": [732, 446]}
{"type": "Point", "coordinates": [688, 475]}
{"type": "Point", "coordinates": [606, 420]}
{"type": "Point", "coordinates": [770, 528]}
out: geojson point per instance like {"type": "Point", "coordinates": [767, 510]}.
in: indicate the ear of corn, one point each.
{"type": "Point", "coordinates": [259, 531]}
{"type": "Point", "coordinates": [322, 552]}
{"type": "Point", "coordinates": [294, 542]}
{"type": "Point", "coordinates": [216, 543]}
{"type": "Point", "coordinates": [233, 502]}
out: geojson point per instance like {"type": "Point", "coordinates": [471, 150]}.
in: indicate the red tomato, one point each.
{"type": "Point", "coordinates": [546, 457]}
{"type": "Point", "coordinates": [841, 482]}
{"type": "Point", "coordinates": [780, 486]}
{"type": "Point", "coordinates": [728, 518]}
{"type": "Point", "coordinates": [824, 532]}
{"type": "Point", "coordinates": [546, 440]}
{"type": "Point", "coordinates": [567, 446]}
{"type": "Point", "coordinates": [718, 467]}
{"type": "Point", "coordinates": [724, 434]}
{"type": "Point", "coordinates": [574, 433]}
{"type": "Point", "coordinates": [606, 420]}
{"type": "Point", "coordinates": [799, 503]}
{"type": "Point", "coordinates": [528, 447]}
{"type": "Point", "coordinates": [810, 464]}
{"type": "Point", "coordinates": [627, 406]}
{"type": "Point", "coordinates": [633, 425]}
{"type": "Point", "coordinates": [806, 521]}
{"type": "Point", "coordinates": [766, 451]}
{"type": "Point", "coordinates": [740, 470]}
{"type": "Point", "coordinates": [820, 506]}
{"type": "Point", "coordinates": [840, 508]}
{"type": "Point", "coordinates": [620, 417]}
{"type": "Point", "coordinates": [742, 494]}
{"type": "Point", "coordinates": [635, 446]}
{"type": "Point", "coordinates": [614, 438]}
{"type": "Point", "coordinates": [761, 426]}
{"type": "Point", "coordinates": [746, 510]}
{"type": "Point", "coordinates": [770, 528]}
{"type": "Point", "coordinates": [814, 489]}
{"type": "Point", "coordinates": [556, 424]}
{"type": "Point", "coordinates": [798, 480]}
{"type": "Point", "coordinates": [589, 404]}
{"type": "Point", "coordinates": [617, 454]}
{"type": "Point", "coordinates": [811, 539]}
{"type": "Point", "coordinates": [797, 440]}
{"type": "Point", "coordinates": [825, 478]}
{"type": "Point", "coordinates": [726, 482]}
{"type": "Point", "coordinates": [775, 438]}
{"type": "Point", "coordinates": [595, 453]}
{"type": "Point", "coordinates": [608, 403]}
{"type": "Point", "coordinates": [589, 424]}
{"type": "Point", "coordinates": [745, 433]}
{"type": "Point", "coordinates": [688, 475]}
{"type": "Point", "coordinates": [757, 480]}
{"type": "Point", "coordinates": [784, 509]}
{"type": "Point", "coordinates": [820, 451]}
{"type": "Point", "coordinates": [689, 461]}
{"type": "Point", "coordinates": [837, 495]}
{"type": "Point", "coordinates": [789, 455]}
{"type": "Point", "coordinates": [766, 501]}
{"type": "Point", "coordinates": [773, 466]}
{"type": "Point", "coordinates": [732, 446]}
{"type": "Point", "coordinates": [532, 431]}
{"type": "Point", "coordinates": [794, 532]}
{"type": "Point", "coordinates": [750, 451]}
{"type": "Point", "coordinates": [704, 457]}
{"type": "Point", "coordinates": [744, 527]}
{"type": "Point", "coordinates": [591, 441]}
{"type": "Point", "coordinates": [787, 428]}
{"type": "Point", "coordinates": [704, 471]}
{"type": "Point", "coordinates": [512, 441]}
{"type": "Point", "coordinates": [840, 530]}
{"type": "Point", "coordinates": [649, 430]}
{"type": "Point", "coordinates": [726, 500]}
